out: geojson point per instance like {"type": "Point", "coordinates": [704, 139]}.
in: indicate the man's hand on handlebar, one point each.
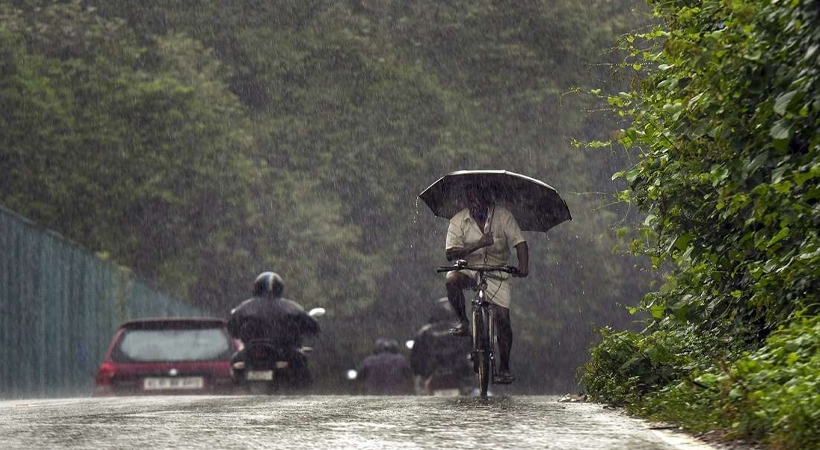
{"type": "Point", "coordinates": [519, 273]}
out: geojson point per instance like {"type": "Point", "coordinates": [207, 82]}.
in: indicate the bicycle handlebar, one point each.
{"type": "Point", "coordinates": [506, 269]}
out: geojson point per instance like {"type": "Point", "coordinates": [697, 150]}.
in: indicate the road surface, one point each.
{"type": "Point", "coordinates": [326, 422]}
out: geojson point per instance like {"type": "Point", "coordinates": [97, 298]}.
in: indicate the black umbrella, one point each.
{"type": "Point", "coordinates": [535, 205]}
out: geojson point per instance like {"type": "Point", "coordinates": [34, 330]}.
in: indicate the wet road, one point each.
{"type": "Point", "coordinates": [325, 422]}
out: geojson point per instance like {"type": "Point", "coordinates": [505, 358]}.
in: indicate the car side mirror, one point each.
{"type": "Point", "coordinates": [317, 312]}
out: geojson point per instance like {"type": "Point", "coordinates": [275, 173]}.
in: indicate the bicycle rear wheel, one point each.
{"type": "Point", "coordinates": [481, 344]}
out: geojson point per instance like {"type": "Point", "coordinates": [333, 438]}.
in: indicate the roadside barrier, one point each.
{"type": "Point", "coordinates": [59, 308]}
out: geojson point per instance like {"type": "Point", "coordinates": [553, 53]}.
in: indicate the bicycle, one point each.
{"type": "Point", "coordinates": [483, 324]}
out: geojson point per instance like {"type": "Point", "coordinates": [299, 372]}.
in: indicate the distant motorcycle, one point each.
{"type": "Point", "coordinates": [262, 368]}
{"type": "Point", "coordinates": [447, 380]}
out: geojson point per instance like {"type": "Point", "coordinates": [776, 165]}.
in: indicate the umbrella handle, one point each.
{"type": "Point", "coordinates": [488, 226]}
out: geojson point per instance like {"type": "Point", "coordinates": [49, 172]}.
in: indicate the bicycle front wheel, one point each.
{"type": "Point", "coordinates": [481, 344]}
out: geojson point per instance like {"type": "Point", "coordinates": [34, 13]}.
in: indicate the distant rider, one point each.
{"type": "Point", "coordinates": [387, 372]}
{"type": "Point", "coordinates": [269, 317]}
{"type": "Point", "coordinates": [439, 359]}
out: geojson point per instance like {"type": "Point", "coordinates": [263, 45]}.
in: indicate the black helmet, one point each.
{"type": "Point", "coordinates": [387, 345]}
{"type": "Point", "coordinates": [442, 311]}
{"type": "Point", "coordinates": [268, 284]}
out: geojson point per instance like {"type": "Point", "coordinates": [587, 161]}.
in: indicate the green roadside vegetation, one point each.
{"type": "Point", "coordinates": [724, 113]}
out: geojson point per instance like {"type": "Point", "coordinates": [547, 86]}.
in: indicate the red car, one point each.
{"type": "Point", "coordinates": [168, 356]}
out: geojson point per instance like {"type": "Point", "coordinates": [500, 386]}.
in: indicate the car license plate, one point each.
{"type": "Point", "coordinates": [154, 384]}
{"type": "Point", "coordinates": [260, 375]}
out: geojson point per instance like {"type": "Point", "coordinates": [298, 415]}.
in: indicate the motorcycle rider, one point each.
{"type": "Point", "coordinates": [438, 359]}
{"type": "Point", "coordinates": [269, 317]}
{"type": "Point", "coordinates": [387, 372]}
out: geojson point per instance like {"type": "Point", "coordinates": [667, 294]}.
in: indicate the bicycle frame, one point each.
{"type": "Point", "coordinates": [483, 334]}
{"type": "Point", "coordinates": [480, 303]}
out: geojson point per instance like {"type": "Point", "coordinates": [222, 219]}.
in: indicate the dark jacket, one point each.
{"type": "Point", "coordinates": [278, 320]}
{"type": "Point", "coordinates": [386, 373]}
{"type": "Point", "coordinates": [436, 351]}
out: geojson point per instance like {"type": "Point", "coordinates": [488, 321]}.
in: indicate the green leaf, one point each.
{"type": "Point", "coordinates": [783, 101]}
{"type": "Point", "coordinates": [801, 178]}
{"type": "Point", "coordinates": [682, 242]}
{"type": "Point", "coordinates": [633, 174]}
{"type": "Point", "coordinates": [757, 162]}
{"type": "Point", "coordinates": [781, 130]}
{"type": "Point", "coordinates": [719, 173]}
{"type": "Point", "coordinates": [672, 108]}
{"type": "Point", "coordinates": [784, 233]}
{"type": "Point", "coordinates": [599, 144]}
{"type": "Point", "coordinates": [657, 311]}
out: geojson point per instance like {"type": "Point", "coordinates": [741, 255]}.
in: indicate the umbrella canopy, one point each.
{"type": "Point", "coordinates": [535, 205]}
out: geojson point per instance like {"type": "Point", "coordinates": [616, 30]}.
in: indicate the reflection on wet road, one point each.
{"type": "Point", "coordinates": [314, 422]}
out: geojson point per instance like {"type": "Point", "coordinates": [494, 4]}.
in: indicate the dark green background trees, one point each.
{"type": "Point", "coordinates": [201, 142]}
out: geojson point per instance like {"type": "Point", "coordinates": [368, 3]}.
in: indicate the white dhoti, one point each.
{"type": "Point", "coordinates": [499, 286]}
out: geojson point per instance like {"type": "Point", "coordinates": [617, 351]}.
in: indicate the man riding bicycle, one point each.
{"type": "Point", "coordinates": [482, 234]}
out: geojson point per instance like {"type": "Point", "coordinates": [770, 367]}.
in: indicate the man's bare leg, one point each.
{"type": "Point", "coordinates": [505, 340]}
{"type": "Point", "coordinates": [456, 283]}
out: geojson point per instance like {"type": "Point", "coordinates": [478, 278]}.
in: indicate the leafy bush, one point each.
{"type": "Point", "coordinates": [769, 395]}
{"type": "Point", "coordinates": [726, 119]}
{"type": "Point", "coordinates": [626, 365]}
{"type": "Point", "coordinates": [777, 388]}
{"type": "Point", "coordinates": [725, 113]}
{"type": "Point", "coordinates": [608, 376]}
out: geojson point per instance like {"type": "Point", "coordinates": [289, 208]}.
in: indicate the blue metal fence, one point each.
{"type": "Point", "coordinates": [59, 308]}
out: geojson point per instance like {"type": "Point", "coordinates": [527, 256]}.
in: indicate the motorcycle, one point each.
{"type": "Point", "coordinates": [450, 380]}
{"type": "Point", "coordinates": [261, 368]}
{"type": "Point", "coordinates": [446, 384]}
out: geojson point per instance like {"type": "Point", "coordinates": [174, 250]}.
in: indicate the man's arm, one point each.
{"type": "Point", "coordinates": [523, 253]}
{"type": "Point", "coordinates": [233, 325]}
{"type": "Point", "coordinates": [461, 252]}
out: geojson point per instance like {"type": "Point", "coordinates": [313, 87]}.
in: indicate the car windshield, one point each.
{"type": "Point", "coordinates": [205, 344]}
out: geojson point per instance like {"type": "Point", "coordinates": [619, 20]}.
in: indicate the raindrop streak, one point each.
{"type": "Point", "coordinates": [416, 212]}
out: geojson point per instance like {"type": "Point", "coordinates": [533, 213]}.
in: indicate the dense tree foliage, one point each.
{"type": "Point", "coordinates": [133, 150]}
{"type": "Point", "coordinates": [201, 142]}
{"type": "Point", "coordinates": [726, 120]}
